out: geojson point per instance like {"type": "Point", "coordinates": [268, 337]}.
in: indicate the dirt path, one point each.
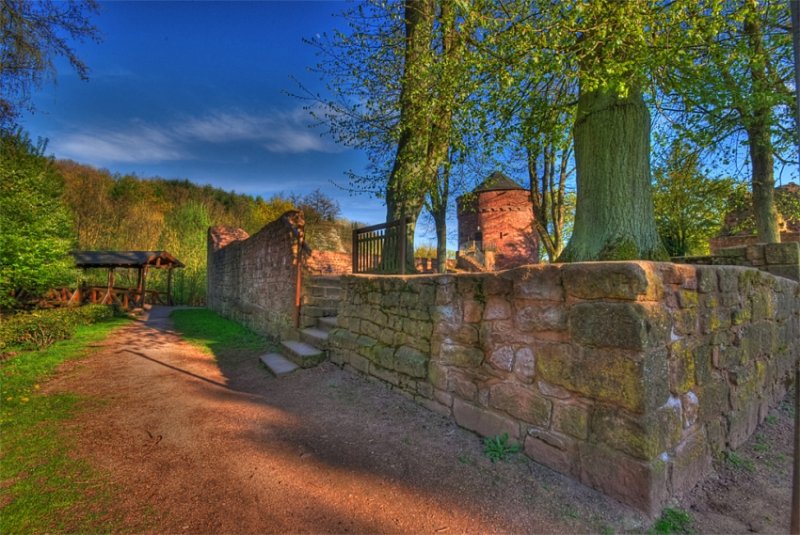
{"type": "Point", "coordinates": [200, 446]}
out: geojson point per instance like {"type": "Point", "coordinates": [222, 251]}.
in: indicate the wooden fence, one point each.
{"type": "Point", "coordinates": [381, 248]}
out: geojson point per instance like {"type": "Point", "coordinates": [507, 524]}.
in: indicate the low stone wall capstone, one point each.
{"type": "Point", "coordinates": [627, 376]}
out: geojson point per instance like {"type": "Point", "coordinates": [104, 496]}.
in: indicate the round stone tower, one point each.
{"type": "Point", "coordinates": [496, 219]}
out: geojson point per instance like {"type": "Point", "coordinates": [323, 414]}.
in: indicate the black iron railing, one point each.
{"type": "Point", "coordinates": [381, 248]}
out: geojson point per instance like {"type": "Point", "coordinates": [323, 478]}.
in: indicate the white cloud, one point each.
{"type": "Point", "coordinates": [277, 132]}
{"type": "Point", "coordinates": [138, 144]}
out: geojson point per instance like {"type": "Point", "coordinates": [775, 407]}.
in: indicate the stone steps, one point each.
{"type": "Point", "coordinates": [302, 354]}
{"type": "Point", "coordinates": [330, 292]}
{"type": "Point", "coordinates": [331, 303]}
{"type": "Point", "coordinates": [319, 316]}
{"type": "Point", "coordinates": [327, 323]}
{"type": "Point", "coordinates": [277, 364]}
{"type": "Point", "coordinates": [314, 337]}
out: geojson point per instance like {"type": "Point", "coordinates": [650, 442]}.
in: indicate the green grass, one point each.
{"type": "Point", "coordinates": [215, 334]}
{"type": "Point", "coordinates": [672, 520]}
{"type": "Point", "coordinates": [42, 487]}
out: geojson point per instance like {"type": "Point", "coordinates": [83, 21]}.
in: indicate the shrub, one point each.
{"type": "Point", "coordinates": [40, 328]}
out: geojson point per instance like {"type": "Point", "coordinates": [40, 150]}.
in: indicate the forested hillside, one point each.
{"type": "Point", "coordinates": [51, 207]}
{"type": "Point", "coordinates": [130, 213]}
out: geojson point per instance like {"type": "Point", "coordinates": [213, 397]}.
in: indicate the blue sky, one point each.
{"type": "Point", "coordinates": [197, 90]}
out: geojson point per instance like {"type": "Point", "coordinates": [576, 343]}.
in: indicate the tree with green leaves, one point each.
{"type": "Point", "coordinates": [32, 35]}
{"type": "Point", "coordinates": [399, 86]}
{"type": "Point", "coordinates": [738, 84]}
{"type": "Point", "coordinates": [184, 236]}
{"type": "Point", "coordinates": [36, 231]}
{"type": "Point", "coordinates": [606, 51]}
{"type": "Point", "coordinates": [689, 207]}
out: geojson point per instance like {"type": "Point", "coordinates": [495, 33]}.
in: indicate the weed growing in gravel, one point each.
{"type": "Point", "coordinates": [571, 512]}
{"type": "Point", "coordinates": [672, 520]}
{"type": "Point", "coordinates": [761, 445]}
{"type": "Point", "coordinates": [498, 448]}
{"type": "Point", "coordinates": [737, 461]}
{"type": "Point", "coordinates": [771, 419]}
{"type": "Point", "coordinates": [466, 459]}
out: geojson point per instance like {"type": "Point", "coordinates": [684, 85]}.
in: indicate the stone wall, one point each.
{"type": "Point", "coordinates": [781, 259]}
{"type": "Point", "coordinates": [723, 242]}
{"type": "Point", "coordinates": [328, 263]}
{"type": "Point", "coordinates": [253, 279]}
{"type": "Point", "coordinates": [626, 376]}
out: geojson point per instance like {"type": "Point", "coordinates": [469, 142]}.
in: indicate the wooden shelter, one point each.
{"type": "Point", "coordinates": [142, 261]}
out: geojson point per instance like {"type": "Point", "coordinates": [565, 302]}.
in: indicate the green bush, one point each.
{"type": "Point", "coordinates": [40, 328]}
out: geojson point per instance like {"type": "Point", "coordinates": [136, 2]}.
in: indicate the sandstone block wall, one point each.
{"type": "Point", "coordinates": [781, 259]}
{"type": "Point", "coordinates": [328, 263]}
{"type": "Point", "coordinates": [627, 376]}
{"type": "Point", "coordinates": [724, 242]}
{"type": "Point", "coordinates": [252, 280]}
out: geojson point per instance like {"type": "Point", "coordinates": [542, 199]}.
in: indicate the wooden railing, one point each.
{"type": "Point", "coordinates": [381, 248]}
{"type": "Point", "coordinates": [123, 297]}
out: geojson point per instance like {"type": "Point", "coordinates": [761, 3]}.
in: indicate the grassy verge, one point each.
{"type": "Point", "coordinates": [42, 488]}
{"type": "Point", "coordinates": [215, 334]}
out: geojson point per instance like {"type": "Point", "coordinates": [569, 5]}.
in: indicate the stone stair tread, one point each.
{"type": "Point", "coordinates": [328, 321]}
{"type": "Point", "coordinates": [319, 311]}
{"type": "Point", "coordinates": [301, 349]}
{"type": "Point", "coordinates": [316, 334]}
{"type": "Point", "coordinates": [277, 364]}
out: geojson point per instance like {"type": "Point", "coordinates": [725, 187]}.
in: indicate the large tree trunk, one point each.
{"type": "Point", "coordinates": [614, 213]}
{"type": "Point", "coordinates": [760, 141]}
{"type": "Point", "coordinates": [441, 241]}
{"type": "Point", "coordinates": [405, 188]}
{"type": "Point", "coordinates": [763, 182]}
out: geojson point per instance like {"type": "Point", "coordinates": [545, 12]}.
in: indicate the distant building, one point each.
{"type": "Point", "coordinates": [495, 226]}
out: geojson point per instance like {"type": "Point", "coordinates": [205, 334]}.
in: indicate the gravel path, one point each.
{"type": "Point", "coordinates": [198, 444]}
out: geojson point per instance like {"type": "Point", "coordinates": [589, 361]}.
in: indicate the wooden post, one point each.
{"type": "Point", "coordinates": [794, 518]}
{"type": "Point", "coordinates": [403, 244]}
{"type": "Point", "coordinates": [169, 287]}
{"type": "Point", "coordinates": [355, 250]}
{"type": "Point", "coordinates": [144, 284]}
{"type": "Point", "coordinates": [138, 285]}
{"type": "Point", "coordinates": [109, 288]}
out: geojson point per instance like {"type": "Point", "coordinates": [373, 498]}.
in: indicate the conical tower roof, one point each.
{"type": "Point", "coordinates": [497, 181]}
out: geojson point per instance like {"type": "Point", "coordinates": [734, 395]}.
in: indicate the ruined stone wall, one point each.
{"type": "Point", "coordinates": [252, 280]}
{"type": "Point", "coordinates": [781, 259]}
{"type": "Point", "coordinates": [723, 242]}
{"type": "Point", "coordinates": [328, 263]}
{"type": "Point", "coordinates": [627, 376]}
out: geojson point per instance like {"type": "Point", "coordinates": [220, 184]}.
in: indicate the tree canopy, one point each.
{"type": "Point", "coordinates": [32, 35]}
{"type": "Point", "coordinates": [35, 225]}
{"type": "Point", "coordinates": [561, 82]}
{"type": "Point", "coordinates": [689, 207]}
